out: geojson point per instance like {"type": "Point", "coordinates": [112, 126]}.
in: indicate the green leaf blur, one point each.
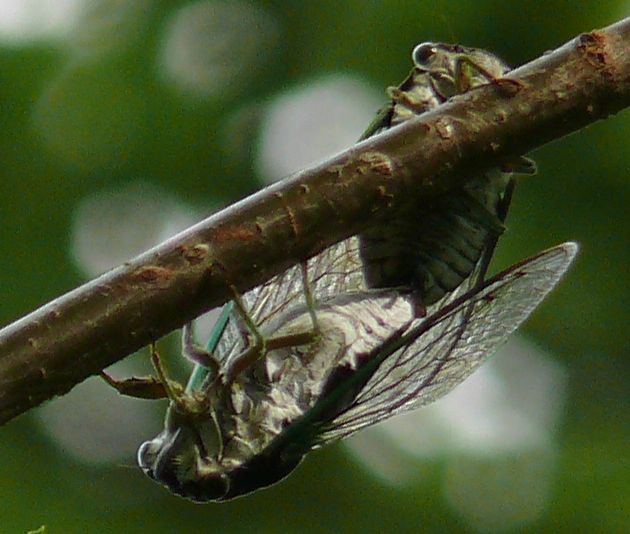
{"type": "Point", "coordinates": [139, 100]}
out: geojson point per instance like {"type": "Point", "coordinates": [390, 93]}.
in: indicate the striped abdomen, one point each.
{"type": "Point", "coordinates": [431, 249]}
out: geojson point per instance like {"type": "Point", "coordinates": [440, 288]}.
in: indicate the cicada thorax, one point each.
{"type": "Point", "coordinates": [430, 248]}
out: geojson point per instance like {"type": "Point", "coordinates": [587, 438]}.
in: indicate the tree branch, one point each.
{"type": "Point", "coordinates": [55, 347]}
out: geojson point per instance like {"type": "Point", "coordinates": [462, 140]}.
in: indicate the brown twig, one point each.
{"type": "Point", "coordinates": [77, 335]}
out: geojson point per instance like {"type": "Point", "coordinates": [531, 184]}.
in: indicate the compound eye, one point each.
{"type": "Point", "coordinates": [423, 53]}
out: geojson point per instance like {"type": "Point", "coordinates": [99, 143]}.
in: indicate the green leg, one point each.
{"type": "Point", "coordinates": [308, 296]}
{"type": "Point", "coordinates": [196, 354]}
{"type": "Point", "coordinates": [259, 340]}
{"type": "Point", "coordinates": [463, 74]}
{"type": "Point", "coordinates": [262, 344]}
{"type": "Point", "coordinates": [186, 404]}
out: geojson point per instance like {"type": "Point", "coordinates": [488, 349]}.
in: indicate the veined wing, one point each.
{"type": "Point", "coordinates": [334, 271]}
{"type": "Point", "coordinates": [429, 359]}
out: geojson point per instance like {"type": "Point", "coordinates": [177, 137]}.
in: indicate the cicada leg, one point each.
{"type": "Point", "coordinates": [462, 79]}
{"type": "Point", "coordinates": [160, 387]}
{"type": "Point", "coordinates": [520, 165]}
{"type": "Point", "coordinates": [146, 387]}
{"type": "Point", "coordinates": [463, 76]}
{"type": "Point", "coordinates": [195, 353]}
{"type": "Point", "coordinates": [174, 391]}
{"type": "Point", "coordinates": [258, 347]}
{"type": "Point", "coordinates": [308, 296]}
{"type": "Point", "coordinates": [263, 344]}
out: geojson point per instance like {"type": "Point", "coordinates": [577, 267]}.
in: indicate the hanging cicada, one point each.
{"type": "Point", "coordinates": [377, 325]}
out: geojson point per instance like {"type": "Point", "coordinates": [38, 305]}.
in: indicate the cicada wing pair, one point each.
{"type": "Point", "coordinates": [425, 358]}
{"type": "Point", "coordinates": [433, 355]}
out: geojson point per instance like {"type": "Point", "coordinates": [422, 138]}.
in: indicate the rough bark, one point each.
{"type": "Point", "coordinates": [55, 347]}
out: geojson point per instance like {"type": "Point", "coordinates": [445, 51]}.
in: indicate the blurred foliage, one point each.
{"type": "Point", "coordinates": [91, 109]}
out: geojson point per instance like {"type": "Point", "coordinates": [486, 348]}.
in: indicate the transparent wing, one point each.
{"type": "Point", "coordinates": [338, 269]}
{"type": "Point", "coordinates": [435, 355]}
{"type": "Point", "coordinates": [334, 271]}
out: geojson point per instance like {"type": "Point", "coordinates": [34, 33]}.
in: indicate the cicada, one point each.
{"type": "Point", "coordinates": [370, 357]}
{"type": "Point", "coordinates": [337, 343]}
{"type": "Point", "coordinates": [432, 248]}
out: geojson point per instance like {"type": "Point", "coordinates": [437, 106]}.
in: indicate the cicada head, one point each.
{"type": "Point", "coordinates": [185, 457]}
{"type": "Point", "coordinates": [455, 69]}
{"type": "Point", "coordinates": [192, 459]}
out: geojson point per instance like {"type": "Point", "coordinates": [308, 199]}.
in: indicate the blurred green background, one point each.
{"type": "Point", "coordinates": [123, 121]}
